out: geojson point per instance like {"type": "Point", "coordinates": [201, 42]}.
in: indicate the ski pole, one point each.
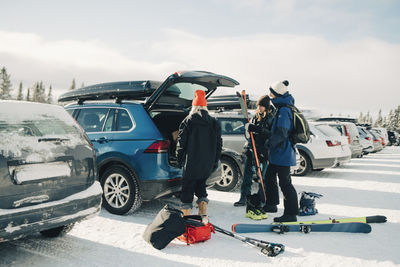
{"type": "Point", "coordinates": [267, 248]}
{"type": "Point", "coordinates": [254, 148]}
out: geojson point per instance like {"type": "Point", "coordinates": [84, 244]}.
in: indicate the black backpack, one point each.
{"type": "Point", "coordinates": [167, 225]}
{"type": "Point", "coordinates": [301, 129]}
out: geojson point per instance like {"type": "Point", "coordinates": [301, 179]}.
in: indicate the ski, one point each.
{"type": "Point", "coordinates": [366, 219]}
{"type": "Point", "coordinates": [352, 227]}
{"type": "Point", "coordinates": [267, 248]}
{"type": "Point", "coordinates": [243, 105]}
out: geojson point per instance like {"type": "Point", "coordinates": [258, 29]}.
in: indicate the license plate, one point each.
{"type": "Point", "coordinates": [32, 172]}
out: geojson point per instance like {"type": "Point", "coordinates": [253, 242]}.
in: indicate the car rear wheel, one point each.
{"type": "Point", "coordinates": [58, 231]}
{"type": "Point", "coordinates": [120, 190]}
{"type": "Point", "coordinates": [304, 165]}
{"type": "Point", "coordinates": [229, 176]}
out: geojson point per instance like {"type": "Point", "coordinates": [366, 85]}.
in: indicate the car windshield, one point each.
{"type": "Point", "coordinates": [328, 130]}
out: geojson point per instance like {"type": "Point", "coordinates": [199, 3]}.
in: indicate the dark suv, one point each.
{"type": "Point", "coordinates": [134, 135]}
{"type": "Point", "coordinates": [47, 171]}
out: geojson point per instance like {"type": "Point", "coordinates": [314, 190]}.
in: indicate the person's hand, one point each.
{"type": "Point", "coordinates": [252, 128]}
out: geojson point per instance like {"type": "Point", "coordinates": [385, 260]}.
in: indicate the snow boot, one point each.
{"type": "Point", "coordinates": [286, 218]}
{"type": "Point", "coordinates": [186, 212]}
{"type": "Point", "coordinates": [202, 208]}
{"type": "Point", "coordinates": [270, 208]}
{"type": "Point", "coordinates": [253, 208]}
{"type": "Point", "coordinates": [241, 202]}
{"type": "Point", "coordinates": [307, 203]}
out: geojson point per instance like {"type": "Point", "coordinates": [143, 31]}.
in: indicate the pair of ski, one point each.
{"type": "Point", "coordinates": [348, 225]}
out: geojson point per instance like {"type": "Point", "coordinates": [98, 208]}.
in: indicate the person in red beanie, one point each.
{"type": "Point", "coordinates": [198, 151]}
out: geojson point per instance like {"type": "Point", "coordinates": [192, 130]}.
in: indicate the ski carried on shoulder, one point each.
{"type": "Point", "coordinates": [267, 248]}
{"type": "Point", "coordinates": [366, 219]}
{"type": "Point", "coordinates": [352, 227]}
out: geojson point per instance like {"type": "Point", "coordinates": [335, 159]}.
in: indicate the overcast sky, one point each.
{"type": "Point", "coordinates": [339, 56]}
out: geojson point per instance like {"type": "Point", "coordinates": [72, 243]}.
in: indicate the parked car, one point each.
{"type": "Point", "coordinates": [377, 141]}
{"type": "Point", "coordinates": [326, 148]}
{"type": "Point", "coordinates": [133, 136]}
{"type": "Point", "coordinates": [232, 160]}
{"type": "Point", "coordinates": [349, 129]}
{"type": "Point", "coordinates": [366, 140]}
{"type": "Point", "coordinates": [47, 171]}
{"type": "Point", "coordinates": [394, 138]}
{"type": "Point", "coordinates": [382, 133]}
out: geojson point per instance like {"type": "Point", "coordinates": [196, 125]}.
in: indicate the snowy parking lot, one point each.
{"type": "Point", "coordinates": [364, 187]}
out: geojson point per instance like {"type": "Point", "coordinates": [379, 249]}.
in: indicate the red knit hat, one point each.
{"type": "Point", "coordinates": [199, 98]}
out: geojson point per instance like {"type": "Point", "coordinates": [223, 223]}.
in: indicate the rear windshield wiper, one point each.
{"type": "Point", "coordinates": [54, 139]}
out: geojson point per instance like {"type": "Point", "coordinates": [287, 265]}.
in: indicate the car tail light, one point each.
{"type": "Point", "coordinates": [368, 138]}
{"type": "Point", "coordinates": [333, 143]}
{"type": "Point", "coordinates": [376, 140]}
{"type": "Point", "coordinates": [158, 147]}
{"type": "Point", "coordinates": [346, 132]}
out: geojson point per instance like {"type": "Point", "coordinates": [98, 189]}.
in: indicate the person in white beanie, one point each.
{"type": "Point", "coordinates": [281, 155]}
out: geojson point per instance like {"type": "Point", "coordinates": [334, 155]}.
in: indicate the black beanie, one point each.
{"type": "Point", "coordinates": [264, 101]}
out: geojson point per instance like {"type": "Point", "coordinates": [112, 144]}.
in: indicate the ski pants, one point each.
{"type": "Point", "coordinates": [290, 201]}
{"type": "Point", "coordinates": [247, 179]}
{"type": "Point", "coordinates": [191, 187]}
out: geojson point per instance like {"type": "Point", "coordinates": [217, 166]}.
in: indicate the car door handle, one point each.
{"type": "Point", "coordinates": [101, 140]}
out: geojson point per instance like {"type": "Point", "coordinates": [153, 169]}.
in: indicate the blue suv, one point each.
{"type": "Point", "coordinates": [132, 126]}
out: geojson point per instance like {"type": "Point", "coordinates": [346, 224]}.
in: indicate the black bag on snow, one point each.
{"type": "Point", "coordinates": [167, 225]}
{"type": "Point", "coordinates": [301, 129]}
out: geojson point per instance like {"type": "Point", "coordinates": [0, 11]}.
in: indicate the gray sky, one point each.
{"type": "Point", "coordinates": [339, 56]}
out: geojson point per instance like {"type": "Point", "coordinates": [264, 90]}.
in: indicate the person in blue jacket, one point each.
{"type": "Point", "coordinates": [281, 155]}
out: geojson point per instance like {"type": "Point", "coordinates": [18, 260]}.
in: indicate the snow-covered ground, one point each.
{"type": "Point", "coordinates": [367, 186]}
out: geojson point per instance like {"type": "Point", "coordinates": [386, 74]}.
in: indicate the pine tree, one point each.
{"type": "Point", "coordinates": [28, 95]}
{"type": "Point", "coordinates": [73, 85]}
{"type": "Point", "coordinates": [361, 118]}
{"type": "Point", "coordinates": [5, 84]}
{"type": "Point", "coordinates": [50, 96]}
{"type": "Point", "coordinates": [20, 96]}
{"type": "Point", "coordinates": [82, 85]}
{"type": "Point", "coordinates": [378, 122]}
{"type": "Point", "coordinates": [36, 92]}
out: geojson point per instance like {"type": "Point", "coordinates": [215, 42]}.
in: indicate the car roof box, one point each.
{"type": "Point", "coordinates": [225, 102]}
{"type": "Point", "coordinates": [130, 90]}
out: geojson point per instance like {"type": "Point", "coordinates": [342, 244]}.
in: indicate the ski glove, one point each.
{"type": "Point", "coordinates": [253, 128]}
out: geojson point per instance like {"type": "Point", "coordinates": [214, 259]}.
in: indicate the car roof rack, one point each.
{"type": "Point", "coordinates": [342, 119]}
{"type": "Point", "coordinates": [127, 90]}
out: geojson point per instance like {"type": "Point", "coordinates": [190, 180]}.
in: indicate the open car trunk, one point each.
{"type": "Point", "coordinates": [168, 123]}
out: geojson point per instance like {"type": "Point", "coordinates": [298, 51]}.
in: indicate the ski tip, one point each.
{"type": "Point", "coordinates": [233, 228]}
{"type": "Point", "coordinates": [376, 219]}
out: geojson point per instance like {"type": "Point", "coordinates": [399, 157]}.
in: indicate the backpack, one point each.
{"type": "Point", "coordinates": [196, 230]}
{"type": "Point", "coordinates": [167, 225]}
{"type": "Point", "coordinates": [301, 129]}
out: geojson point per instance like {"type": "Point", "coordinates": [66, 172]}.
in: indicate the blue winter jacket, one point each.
{"type": "Point", "coordinates": [281, 150]}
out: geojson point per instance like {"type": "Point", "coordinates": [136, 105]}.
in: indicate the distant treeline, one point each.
{"type": "Point", "coordinates": [36, 93]}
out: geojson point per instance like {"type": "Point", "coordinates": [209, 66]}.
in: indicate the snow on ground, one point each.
{"type": "Point", "coordinates": [366, 186]}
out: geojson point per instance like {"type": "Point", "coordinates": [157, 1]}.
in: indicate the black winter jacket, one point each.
{"type": "Point", "coordinates": [261, 131]}
{"type": "Point", "coordinates": [199, 145]}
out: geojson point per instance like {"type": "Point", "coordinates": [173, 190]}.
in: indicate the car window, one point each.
{"type": "Point", "coordinates": [232, 126]}
{"type": "Point", "coordinates": [353, 129]}
{"type": "Point", "coordinates": [337, 127]}
{"type": "Point", "coordinates": [110, 121]}
{"type": "Point", "coordinates": [124, 121]}
{"type": "Point", "coordinates": [328, 130]}
{"type": "Point", "coordinates": [184, 90]}
{"type": "Point", "coordinates": [92, 119]}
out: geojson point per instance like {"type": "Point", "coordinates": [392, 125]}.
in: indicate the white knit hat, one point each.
{"type": "Point", "coordinates": [279, 88]}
